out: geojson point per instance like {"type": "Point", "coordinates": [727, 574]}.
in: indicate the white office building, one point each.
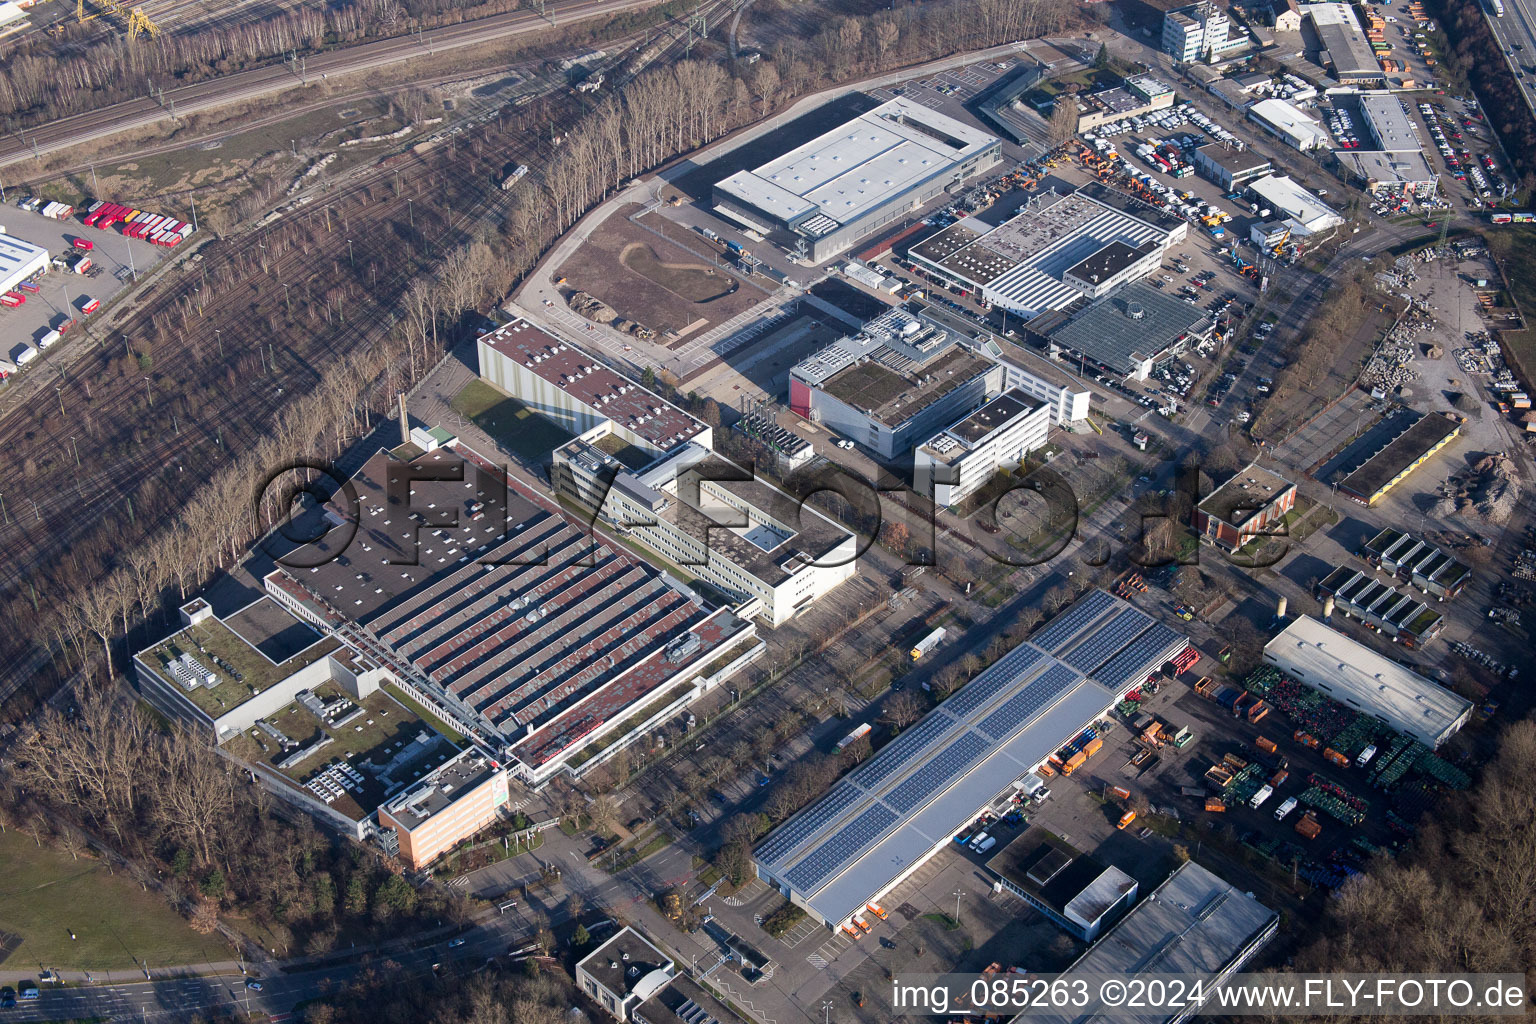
{"type": "Point", "coordinates": [765, 549]}
{"type": "Point", "coordinates": [1199, 32]}
{"type": "Point", "coordinates": [1302, 211]}
{"type": "Point", "coordinates": [956, 462]}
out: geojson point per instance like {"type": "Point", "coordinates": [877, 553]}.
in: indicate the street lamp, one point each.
{"type": "Point", "coordinates": [958, 895]}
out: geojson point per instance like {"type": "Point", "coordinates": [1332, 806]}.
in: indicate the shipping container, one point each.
{"type": "Point", "coordinates": [1118, 792]}
{"type": "Point", "coordinates": [29, 287]}
{"type": "Point", "coordinates": [90, 306]}
{"type": "Point", "coordinates": [82, 265]}
{"type": "Point", "coordinates": [11, 300]}
{"type": "Point", "coordinates": [1266, 744]}
{"type": "Point", "coordinates": [1307, 826]}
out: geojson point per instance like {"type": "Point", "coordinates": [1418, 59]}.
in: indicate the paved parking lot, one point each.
{"type": "Point", "coordinates": [63, 292]}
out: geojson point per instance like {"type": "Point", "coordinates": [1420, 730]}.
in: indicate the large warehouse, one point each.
{"type": "Point", "coordinates": [843, 185]}
{"type": "Point", "coordinates": [1194, 924]}
{"type": "Point", "coordinates": [885, 819]}
{"type": "Point", "coordinates": [1351, 673]}
{"type": "Point", "coordinates": [1413, 439]}
{"type": "Point", "coordinates": [1345, 50]}
{"type": "Point", "coordinates": [572, 388]}
{"type": "Point", "coordinates": [483, 601]}
{"type": "Point", "coordinates": [1057, 250]}
{"type": "Point", "coordinates": [19, 261]}
{"type": "Point", "coordinates": [1128, 333]}
{"type": "Point", "coordinates": [1302, 212]}
{"type": "Point", "coordinates": [894, 384]}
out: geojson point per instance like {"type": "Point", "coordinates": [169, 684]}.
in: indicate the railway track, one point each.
{"type": "Point", "coordinates": [92, 495]}
{"type": "Point", "coordinates": [279, 77]}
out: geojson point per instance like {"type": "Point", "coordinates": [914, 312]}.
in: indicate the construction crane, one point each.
{"type": "Point", "coordinates": [138, 23]}
{"type": "Point", "coordinates": [1279, 249]}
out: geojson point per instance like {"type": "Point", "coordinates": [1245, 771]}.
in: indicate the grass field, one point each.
{"type": "Point", "coordinates": [1515, 247]}
{"type": "Point", "coordinates": [510, 423]}
{"type": "Point", "coordinates": [45, 893]}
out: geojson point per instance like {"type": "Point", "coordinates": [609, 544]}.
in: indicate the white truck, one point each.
{"type": "Point", "coordinates": [1364, 758]}
{"type": "Point", "coordinates": [1264, 793]}
{"type": "Point", "coordinates": [927, 643]}
{"type": "Point", "coordinates": [1285, 808]}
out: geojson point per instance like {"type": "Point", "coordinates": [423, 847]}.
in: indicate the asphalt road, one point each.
{"type": "Point", "coordinates": [266, 81]}
{"type": "Point", "coordinates": [1518, 27]}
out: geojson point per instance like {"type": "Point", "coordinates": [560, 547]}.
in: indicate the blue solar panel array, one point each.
{"type": "Point", "coordinates": [852, 838]}
{"type": "Point", "coordinates": [1069, 623]}
{"type": "Point", "coordinates": [1117, 671]}
{"type": "Point", "coordinates": [902, 749]}
{"type": "Point", "coordinates": [810, 821]}
{"type": "Point", "coordinates": [1053, 682]}
{"type": "Point", "coordinates": [1002, 674]}
{"type": "Point", "coordinates": [938, 773]}
{"type": "Point", "coordinates": [1107, 641]}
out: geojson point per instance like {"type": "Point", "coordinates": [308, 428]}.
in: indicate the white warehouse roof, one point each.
{"type": "Point", "coordinates": [1353, 674]}
{"type": "Point", "coordinates": [1310, 214]}
{"type": "Point", "coordinates": [1389, 123]}
{"type": "Point", "coordinates": [10, 12]}
{"type": "Point", "coordinates": [19, 260]}
{"type": "Point", "coordinates": [856, 167]}
{"type": "Point", "coordinates": [1288, 119]}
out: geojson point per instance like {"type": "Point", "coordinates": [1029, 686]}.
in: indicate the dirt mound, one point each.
{"type": "Point", "coordinates": [598, 311]}
{"type": "Point", "coordinates": [592, 308]}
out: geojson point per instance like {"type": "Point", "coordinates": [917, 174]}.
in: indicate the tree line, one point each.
{"type": "Point", "coordinates": [191, 822]}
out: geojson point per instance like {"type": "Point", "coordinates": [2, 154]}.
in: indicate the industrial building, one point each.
{"type": "Point", "coordinates": [1068, 395]}
{"type": "Point", "coordinates": [771, 553]}
{"type": "Point", "coordinates": [1413, 440]}
{"type": "Point", "coordinates": [1055, 251]}
{"type": "Point", "coordinates": [1200, 32]}
{"type": "Point", "coordinates": [1288, 124]}
{"type": "Point", "coordinates": [575, 390]}
{"type": "Point", "coordinates": [1193, 925]}
{"type": "Point", "coordinates": [450, 804]}
{"type": "Point", "coordinates": [624, 972]}
{"type": "Point", "coordinates": [886, 818]}
{"type": "Point", "coordinates": [242, 678]}
{"type": "Point", "coordinates": [490, 607]}
{"type": "Point", "coordinates": [1245, 507]}
{"type": "Point", "coordinates": [1345, 50]}
{"type": "Point", "coordinates": [1384, 608]}
{"type": "Point", "coordinates": [11, 14]}
{"type": "Point", "coordinates": [1418, 562]}
{"type": "Point", "coordinates": [1228, 167]}
{"type": "Point", "coordinates": [19, 261]}
{"type": "Point", "coordinates": [1354, 674]}
{"type": "Point", "coordinates": [894, 384]}
{"type": "Point", "coordinates": [1303, 214]}
{"type": "Point", "coordinates": [875, 169]}
{"type": "Point", "coordinates": [1398, 162]}
{"type": "Point", "coordinates": [956, 462]}
{"type": "Point", "coordinates": [1143, 94]}
{"type": "Point", "coordinates": [1076, 892]}
{"type": "Point", "coordinates": [1128, 333]}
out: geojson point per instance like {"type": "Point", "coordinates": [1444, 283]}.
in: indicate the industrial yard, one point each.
{"type": "Point", "coordinates": [767, 497]}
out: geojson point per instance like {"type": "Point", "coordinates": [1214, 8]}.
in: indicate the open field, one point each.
{"type": "Point", "coordinates": [646, 278]}
{"type": "Point", "coordinates": [46, 894]}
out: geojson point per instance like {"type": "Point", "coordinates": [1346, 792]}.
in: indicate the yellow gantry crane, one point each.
{"type": "Point", "coordinates": [138, 23]}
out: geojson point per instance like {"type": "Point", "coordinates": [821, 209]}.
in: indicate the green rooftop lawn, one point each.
{"type": "Point", "coordinates": [257, 673]}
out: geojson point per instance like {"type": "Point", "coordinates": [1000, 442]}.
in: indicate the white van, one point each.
{"type": "Point", "coordinates": [1286, 808]}
{"type": "Point", "coordinates": [990, 842]}
{"type": "Point", "coordinates": [978, 841]}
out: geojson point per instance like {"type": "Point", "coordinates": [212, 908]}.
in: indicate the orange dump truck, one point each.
{"type": "Point", "coordinates": [1307, 825]}
{"type": "Point", "coordinates": [1118, 792]}
{"type": "Point", "coordinates": [1335, 757]}
{"type": "Point", "coordinates": [1307, 739]}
